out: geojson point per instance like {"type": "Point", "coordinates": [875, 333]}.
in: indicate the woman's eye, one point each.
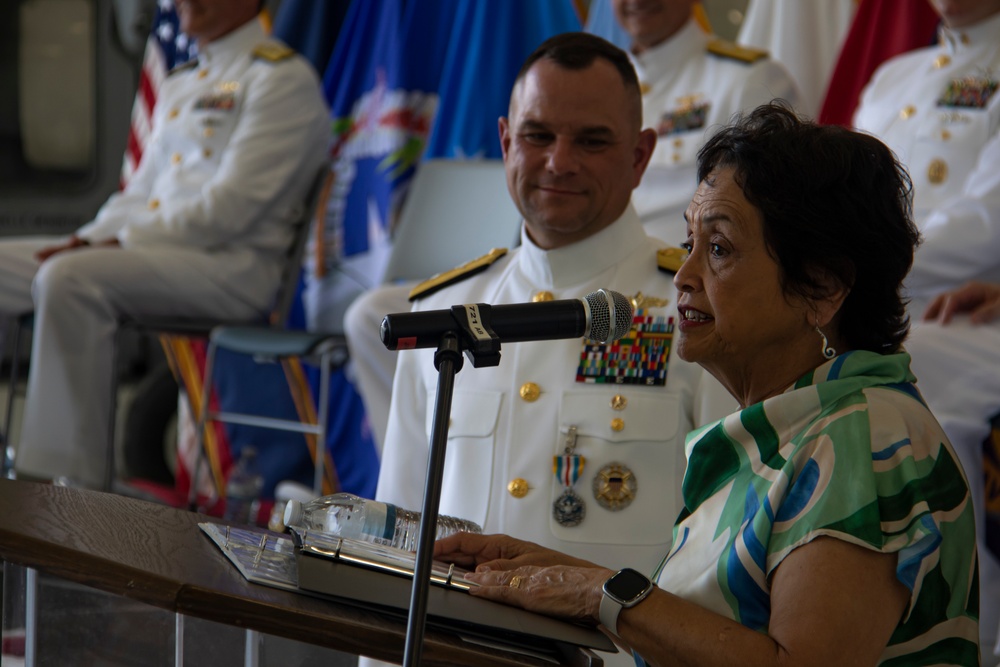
{"type": "Point", "coordinates": [687, 246]}
{"type": "Point", "coordinates": [717, 250]}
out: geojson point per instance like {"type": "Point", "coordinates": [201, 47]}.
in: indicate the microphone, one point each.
{"type": "Point", "coordinates": [602, 316]}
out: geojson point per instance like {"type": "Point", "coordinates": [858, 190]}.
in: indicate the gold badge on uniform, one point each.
{"type": "Point", "coordinates": [614, 487]}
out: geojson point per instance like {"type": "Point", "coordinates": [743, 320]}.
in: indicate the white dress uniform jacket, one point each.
{"type": "Point", "coordinates": [237, 137]}
{"type": "Point", "coordinates": [938, 109]}
{"type": "Point", "coordinates": [689, 91]}
{"type": "Point", "coordinates": [507, 422]}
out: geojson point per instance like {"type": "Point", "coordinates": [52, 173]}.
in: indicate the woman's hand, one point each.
{"type": "Point", "coordinates": [980, 300]}
{"type": "Point", "coordinates": [566, 591]}
{"type": "Point", "coordinates": [498, 552]}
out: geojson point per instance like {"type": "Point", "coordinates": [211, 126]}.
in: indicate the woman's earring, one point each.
{"type": "Point", "coordinates": [828, 351]}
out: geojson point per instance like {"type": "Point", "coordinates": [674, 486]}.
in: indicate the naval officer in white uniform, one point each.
{"type": "Point", "coordinates": [576, 446]}
{"type": "Point", "coordinates": [692, 84]}
{"type": "Point", "coordinates": [200, 230]}
{"type": "Point", "coordinates": [938, 109]}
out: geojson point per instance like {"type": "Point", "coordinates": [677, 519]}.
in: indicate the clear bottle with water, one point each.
{"type": "Point", "coordinates": [243, 488]}
{"type": "Point", "coordinates": [346, 515]}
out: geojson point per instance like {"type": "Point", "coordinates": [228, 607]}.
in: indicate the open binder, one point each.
{"type": "Point", "coordinates": [379, 578]}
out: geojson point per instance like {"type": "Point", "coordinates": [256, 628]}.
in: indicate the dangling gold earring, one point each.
{"type": "Point", "coordinates": [828, 351]}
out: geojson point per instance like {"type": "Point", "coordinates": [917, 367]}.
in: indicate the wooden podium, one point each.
{"type": "Point", "coordinates": [158, 556]}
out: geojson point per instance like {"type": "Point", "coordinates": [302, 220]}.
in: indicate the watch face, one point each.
{"type": "Point", "coordinates": [627, 585]}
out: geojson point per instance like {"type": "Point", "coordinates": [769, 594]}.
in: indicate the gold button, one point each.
{"type": "Point", "coordinates": [617, 424]}
{"type": "Point", "coordinates": [678, 143]}
{"type": "Point", "coordinates": [964, 38]}
{"type": "Point", "coordinates": [644, 87]}
{"type": "Point", "coordinates": [209, 132]}
{"type": "Point", "coordinates": [618, 402]}
{"type": "Point", "coordinates": [942, 60]}
{"type": "Point", "coordinates": [937, 171]}
{"type": "Point", "coordinates": [518, 487]}
{"type": "Point", "coordinates": [677, 157]}
{"type": "Point", "coordinates": [208, 152]}
{"type": "Point", "coordinates": [544, 295]}
{"type": "Point", "coordinates": [154, 204]}
{"type": "Point", "coordinates": [175, 158]}
{"type": "Point", "coordinates": [173, 113]}
{"type": "Point", "coordinates": [907, 111]}
{"type": "Point", "coordinates": [530, 392]}
{"type": "Point", "coordinates": [945, 135]}
{"type": "Point", "coordinates": [202, 74]}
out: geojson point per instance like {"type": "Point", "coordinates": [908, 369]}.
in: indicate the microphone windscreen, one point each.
{"type": "Point", "coordinates": [610, 315]}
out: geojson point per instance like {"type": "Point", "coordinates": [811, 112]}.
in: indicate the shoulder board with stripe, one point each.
{"type": "Point", "coordinates": [734, 51]}
{"type": "Point", "coordinates": [183, 67]}
{"type": "Point", "coordinates": [458, 274]}
{"type": "Point", "coordinates": [273, 51]}
{"type": "Point", "coordinates": [669, 260]}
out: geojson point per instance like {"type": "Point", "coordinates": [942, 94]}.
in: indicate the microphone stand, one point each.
{"type": "Point", "coordinates": [482, 345]}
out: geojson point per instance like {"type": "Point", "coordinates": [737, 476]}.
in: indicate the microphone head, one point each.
{"type": "Point", "coordinates": [610, 316]}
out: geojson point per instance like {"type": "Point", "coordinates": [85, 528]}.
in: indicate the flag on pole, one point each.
{"type": "Point", "coordinates": [166, 48]}
{"type": "Point", "coordinates": [487, 44]}
{"type": "Point", "coordinates": [880, 30]}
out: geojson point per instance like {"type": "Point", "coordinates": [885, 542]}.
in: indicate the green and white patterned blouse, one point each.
{"type": "Point", "coordinates": [849, 451]}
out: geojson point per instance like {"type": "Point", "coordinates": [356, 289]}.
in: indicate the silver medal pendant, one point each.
{"type": "Point", "coordinates": [569, 509]}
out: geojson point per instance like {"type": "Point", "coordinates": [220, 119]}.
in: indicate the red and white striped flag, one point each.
{"type": "Point", "coordinates": [166, 48]}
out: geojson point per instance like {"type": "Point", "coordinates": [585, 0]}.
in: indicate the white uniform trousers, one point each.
{"type": "Point", "coordinates": [79, 297]}
{"type": "Point", "coordinates": [958, 372]}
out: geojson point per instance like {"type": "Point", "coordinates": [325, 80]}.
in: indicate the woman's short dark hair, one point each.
{"type": "Point", "coordinates": [835, 203]}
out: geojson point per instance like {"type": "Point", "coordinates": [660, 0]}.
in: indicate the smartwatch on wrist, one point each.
{"type": "Point", "coordinates": [626, 588]}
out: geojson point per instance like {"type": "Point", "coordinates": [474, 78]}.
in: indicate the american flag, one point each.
{"type": "Point", "coordinates": [165, 48]}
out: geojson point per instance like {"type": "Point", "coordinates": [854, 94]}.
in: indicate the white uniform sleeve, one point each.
{"type": "Point", "coordinates": [278, 122]}
{"type": "Point", "coordinates": [405, 452]}
{"type": "Point", "coordinates": [962, 236]}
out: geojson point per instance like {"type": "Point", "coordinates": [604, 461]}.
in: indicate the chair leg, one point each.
{"type": "Point", "coordinates": [201, 422]}
{"type": "Point", "coordinates": [8, 455]}
{"type": "Point", "coordinates": [109, 463]}
{"type": "Point", "coordinates": [321, 418]}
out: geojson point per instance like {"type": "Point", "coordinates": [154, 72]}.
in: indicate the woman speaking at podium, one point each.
{"type": "Point", "coordinates": [828, 521]}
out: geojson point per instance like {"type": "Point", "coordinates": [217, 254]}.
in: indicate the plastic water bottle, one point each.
{"type": "Point", "coordinates": [346, 515]}
{"type": "Point", "coordinates": [243, 488]}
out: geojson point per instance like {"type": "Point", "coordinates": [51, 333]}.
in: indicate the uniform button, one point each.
{"type": "Point", "coordinates": [942, 60]}
{"type": "Point", "coordinates": [544, 295]}
{"type": "Point", "coordinates": [618, 402]}
{"type": "Point", "coordinates": [209, 132]}
{"type": "Point", "coordinates": [617, 425]}
{"type": "Point", "coordinates": [154, 204]}
{"type": "Point", "coordinates": [907, 111]}
{"type": "Point", "coordinates": [937, 171]}
{"type": "Point", "coordinates": [173, 113]}
{"type": "Point", "coordinates": [208, 152]}
{"type": "Point", "coordinates": [518, 487]}
{"type": "Point", "coordinates": [677, 157]}
{"type": "Point", "coordinates": [945, 135]}
{"type": "Point", "coordinates": [530, 392]}
{"type": "Point", "coordinates": [202, 73]}
{"type": "Point", "coordinates": [644, 87]}
{"type": "Point", "coordinates": [964, 38]}
{"type": "Point", "coordinates": [678, 143]}
{"type": "Point", "coordinates": [175, 158]}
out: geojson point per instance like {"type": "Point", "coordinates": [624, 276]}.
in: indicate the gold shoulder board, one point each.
{"type": "Point", "coordinates": [273, 51]}
{"type": "Point", "coordinates": [191, 64]}
{"type": "Point", "coordinates": [458, 274]}
{"type": "Point", "coordinates": [669, 260]}
{"type": "Point", "coordinates": [734, 51]}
